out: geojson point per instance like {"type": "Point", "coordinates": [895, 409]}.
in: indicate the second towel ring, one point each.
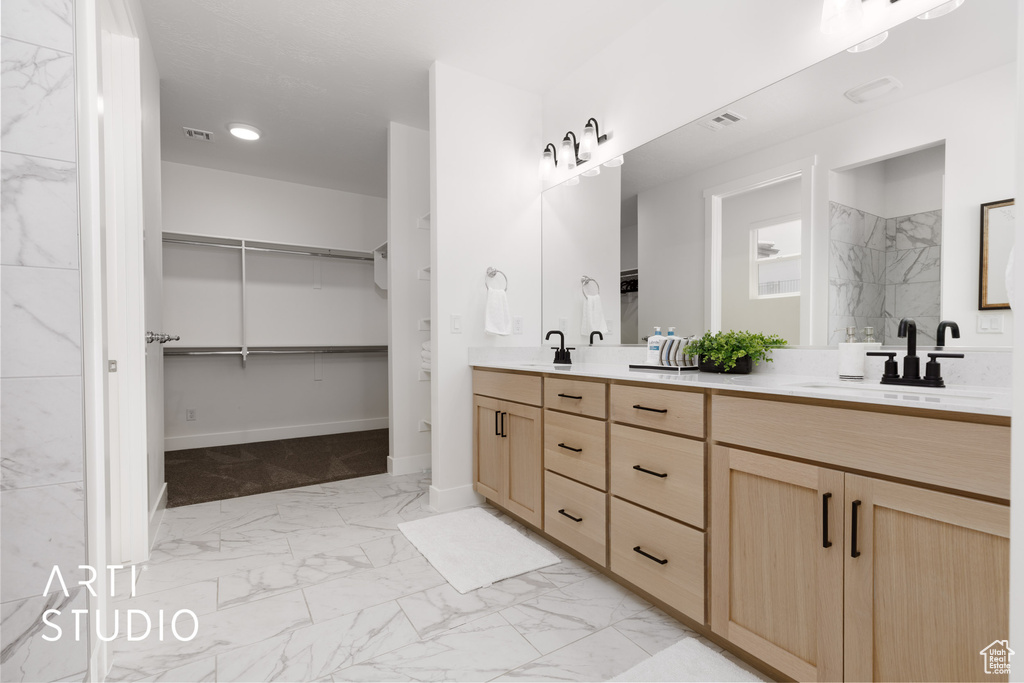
{"type": "Point", "coordinates": [586, 280]}
{"type": "Point", "coordinates": [491, 272]}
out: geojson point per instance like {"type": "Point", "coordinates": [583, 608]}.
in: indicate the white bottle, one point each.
{"type": "Point", "coordinates": [668, 347]}
{"type": "Point", "coordinates": [654, 347]}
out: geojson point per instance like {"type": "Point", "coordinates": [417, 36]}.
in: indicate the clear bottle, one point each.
{"type": "Point", "coordinates": [851, 335]}
{"type": "Point", "coordinates": [869, 335]}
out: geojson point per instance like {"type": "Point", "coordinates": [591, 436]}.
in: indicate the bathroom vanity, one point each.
{"type": "Point", "coordinates": [829, 531]}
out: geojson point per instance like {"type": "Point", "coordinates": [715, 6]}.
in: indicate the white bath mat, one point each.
{"type": "Point", "coordinates": [472, 548]}
{"type": "Point", "coordinates": [687, 660]}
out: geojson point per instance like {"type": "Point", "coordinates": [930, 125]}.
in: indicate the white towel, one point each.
{"type": "Point", "coordinates": [426, 346]}
{"type": "Point", "coordinates": [593, 315]}
{"type": "Point", "coordinates": [497, 319]}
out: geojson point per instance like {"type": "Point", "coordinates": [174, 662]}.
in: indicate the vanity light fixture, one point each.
{"type": "Point", "coordinates": [591, 139]}
{"type": "Point", "coordinates": [548, 160]}
{"type": "Point", "coordinates": [841, 16]}
{"type": "Point", "coordinates": [244, 131]}
{"type": "Point", "coordinates": [612, 163]}
{"type": "Point", "coordinates": [942, 10]}
{"type": "Point", "coordinates": [870, 43]}
{"type": "Point", "coordinates": [575, 180]}
{"type": "Point", "coordinates": [590, 172]}
{"type": "Point", "coordinates": [570, 149]}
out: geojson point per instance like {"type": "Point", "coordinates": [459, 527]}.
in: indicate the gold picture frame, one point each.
{"type": "Point", "coordinates": [997, 236]}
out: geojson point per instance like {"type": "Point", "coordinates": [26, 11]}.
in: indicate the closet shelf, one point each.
{"type": "Point", "coordinates": [424, 222]}
{"type": "Point", "coordinates": [253, 245]}
{"type": "Point", "coordinates": [266, 350]}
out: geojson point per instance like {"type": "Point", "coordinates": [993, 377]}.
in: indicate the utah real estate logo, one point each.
{"type": "Point", "coordinates": [997, 657]}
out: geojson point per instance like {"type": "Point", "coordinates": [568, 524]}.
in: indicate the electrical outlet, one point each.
{"type": "Point", "coordinates": [517, 324]}
{"type": "Point", "coordinates": [563, 324]}
{"type": "Point", "coordinates": [190, 414]}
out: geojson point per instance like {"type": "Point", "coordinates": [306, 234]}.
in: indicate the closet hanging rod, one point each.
{"type": "Point", "coordinates": [311, 252]}
{"type": "Point", "coordinates": [182, 352]}
{"type": "Point", "coordinates": [319, 349]}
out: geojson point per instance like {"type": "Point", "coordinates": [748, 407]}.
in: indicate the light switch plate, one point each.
{"type": "Point", "coordinates": [456, 324]}
{"type": "Point", "coordinates": [990, 323]}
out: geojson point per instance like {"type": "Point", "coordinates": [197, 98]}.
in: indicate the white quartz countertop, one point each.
{"type": "Point", "coordinates": [958, 398]}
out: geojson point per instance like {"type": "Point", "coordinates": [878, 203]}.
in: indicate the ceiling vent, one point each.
{"type": "Point", "coordinates": [876, 88]}
{"type": "Point", "coordinates": [196, 134]}
{"type": "Point", "coordinates": [720, 121]}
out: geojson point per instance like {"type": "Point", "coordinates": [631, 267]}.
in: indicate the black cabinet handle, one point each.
{"type": "Point", "coordinates": [652, 410]}
{"type": "Point", "coordinates": [497, 432]}
{"type": "Point", "coordinates": [503, 434]}
{"type": "Point", "coordinates": [575, 398]}
{"type": "Point", "coordinates": [570, 448]}
{"type": "Point", "coordinates": [825, 543]}
{"type": "Point", "coordinates": [649, 556]}
{"type": "Point", "coordinates": [575, 519]}
{"type": "Point", "coordinates": [657, 474]}
{"type": "Point", "coordinates": [853, 530]}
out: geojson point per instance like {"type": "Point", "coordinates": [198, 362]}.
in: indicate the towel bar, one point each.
{"type": "Point", "coordinates": [491, 272]}
{"type": "Point", "coordinates": [586, 280]}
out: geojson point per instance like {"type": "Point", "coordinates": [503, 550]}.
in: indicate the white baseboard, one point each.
{"type": "Point", "coordinates": [177, 443]}
{"type": "Point", "coordinates": [409, 464]}
{"type": "Point", "coordinates": [156, 515]}
{"type": "Point", "coordinates": [446, 500]}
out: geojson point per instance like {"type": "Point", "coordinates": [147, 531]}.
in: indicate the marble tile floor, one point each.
{"type": "Point", "coordinates": [318, 584]}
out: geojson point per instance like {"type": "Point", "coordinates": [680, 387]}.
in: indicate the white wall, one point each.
{"type": "Point", "coordinates": [485, 212]}
{"type": "Point", "coordinates": [1017, 461]}
{"type": "Point", "coordinates": [581, 237]}
{"type": "Point", "coordinates": [979, 167]}
{"type": "Point", "coordinates": [686, 59]}
{"type": "Point", "coordinates": [408, 296]}
{"type": "Point", "coordinates": [627, 240]}
{"type": "Point", "coordinates": [292, 300]}
{"type": "Point", "coordinates": [913, 182]}
{"type": "Point", "coordinates": [777, 315]}
{"type": "Point", "coordinates": [206, 201]}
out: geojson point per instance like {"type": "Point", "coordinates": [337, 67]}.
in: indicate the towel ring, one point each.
{"type": "Point", "coordinates": [586, 280]}
{"type": "Point", "coordinates": [491, 272]}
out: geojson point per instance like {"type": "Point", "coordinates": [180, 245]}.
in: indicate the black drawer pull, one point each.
{"type": "Point", "coordinates": [575, 519]}
{"type": "Point", "coordinates": [853, 529]}
{"type": "Point", "coordinates": [652, 410]}
{"type": "Point", "coordinates": [825, 543]}
{"type": "Point", "coordinates": [657, 474]}
{"type": "Point", "coordinates": [575, 398]}
{"type": "Point", "coordinates": [497, 430]}
{"type": "Point", "coordinates": [570, 448]}
{"type": "Point", "coordinates": [652, 557]}
{"type": "Point", "coordinates": [503, 434]}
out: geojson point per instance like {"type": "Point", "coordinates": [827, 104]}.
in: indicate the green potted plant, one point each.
{"type": "Point", "coordinates": [733, 352]}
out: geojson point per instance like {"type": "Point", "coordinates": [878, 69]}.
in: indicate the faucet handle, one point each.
{"type": "Point", "coordinates": [932, 369]}
{"type": "Point", "coordinates": [892, 368]}
{"type": "Point", "coordinates": [945, 355]}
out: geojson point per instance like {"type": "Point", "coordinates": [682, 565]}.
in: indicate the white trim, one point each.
{"type": "Point", "coordinates": [156, 515]}
{"type": "Point", "coordinates": [446, 500]}
{"type": "Point", "coordinates": [175, 443]}
{"type": "Point", "coordinates": [409, 464]}
{"type": "Point", "coordinates": [713, 196]}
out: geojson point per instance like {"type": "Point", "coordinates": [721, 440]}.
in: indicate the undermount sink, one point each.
{"type": "Point", "coordinates": [548, 366]}
{"type": "Point", "coordinates": [928, 394]}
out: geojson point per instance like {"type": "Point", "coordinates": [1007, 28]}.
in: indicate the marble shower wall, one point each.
{"type": "Point", "coordinates": [42, 498]}
{"type": "Point", "coordinates": [882, 270]}
{"type": "Point", "coordinates": [856, 272]}
{"type": "Point", "coordinates": [912, 259]}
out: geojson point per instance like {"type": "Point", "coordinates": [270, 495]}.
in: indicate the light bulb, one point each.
{"type": "Point", "coordinates": [612, 163]}
{"type": "Point", "coordinates": [569, 153]}
{"type": "Point", "coordinates": [590, 172]}
{"type": "Point", "coordinates": [575, 180]}
{"type": "Point", "coordinates": [870, 43]}
{"type": "Point", "coordinates": [588, 142]}
{"type": "Point", "coordinates": [547, 163]}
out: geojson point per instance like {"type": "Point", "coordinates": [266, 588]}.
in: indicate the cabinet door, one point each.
{"type": "Point", "coordinates": [929, 587]}
{"type": "Point", "coordinates": [488, 461]}
{"type": "Point", "coordinates": [524, 493]}
{"type": "Point", "coordinates": [776, 568]}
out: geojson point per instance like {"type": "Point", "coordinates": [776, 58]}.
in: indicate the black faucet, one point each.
{"type": "Point", "coordinates": [911, 363]}
{"type": "Point", "coordinates": [598, 333]}
{"type": "Point", "coordinates": [562, 356]}
{"type": "Point", "coordinates": [940, 334]}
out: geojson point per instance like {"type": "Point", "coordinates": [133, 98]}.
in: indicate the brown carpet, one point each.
{"type": "Point", "coordinates": [199, 475]}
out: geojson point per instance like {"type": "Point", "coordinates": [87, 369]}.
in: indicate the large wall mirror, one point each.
{"type": "Point", "coordinates": [844, 195]}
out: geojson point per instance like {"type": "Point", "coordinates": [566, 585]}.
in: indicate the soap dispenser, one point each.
{"type": "Point", "coordinates": [654, 347]}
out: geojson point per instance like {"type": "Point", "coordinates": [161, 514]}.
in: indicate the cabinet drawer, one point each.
{"type": "Point", "coordinates": [508, 386]}
{"type": "Point", "coordinates": [563, 434]}
{"type": "Point", "coordinates": [963, 456]}
{"type": "Point", "coordinates": [572, 396]}
{"type": "Point", "coordinates": [679, 493]}
{"type": "Point", "coordinates": [677, 574]}
{"type": "Point", "coordinates": [563, 497]}
{"type": "Point", "coordinates": [681, 412]}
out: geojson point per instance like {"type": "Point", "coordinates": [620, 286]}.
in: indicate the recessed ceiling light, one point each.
{"type": "Point", "coordinates": [870, 43]}
{"type": "Point", "coordinates": [244, 132]}
{"type": "Point", "coordinates": [941, 10]}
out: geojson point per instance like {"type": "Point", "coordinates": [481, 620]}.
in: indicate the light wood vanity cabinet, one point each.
{"type": "Point", "coordinates": [775, 566]}
{"type": "Point", "coordinates": [508, 465]}
{"type": "Point", "coordinates": [828, 575]}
